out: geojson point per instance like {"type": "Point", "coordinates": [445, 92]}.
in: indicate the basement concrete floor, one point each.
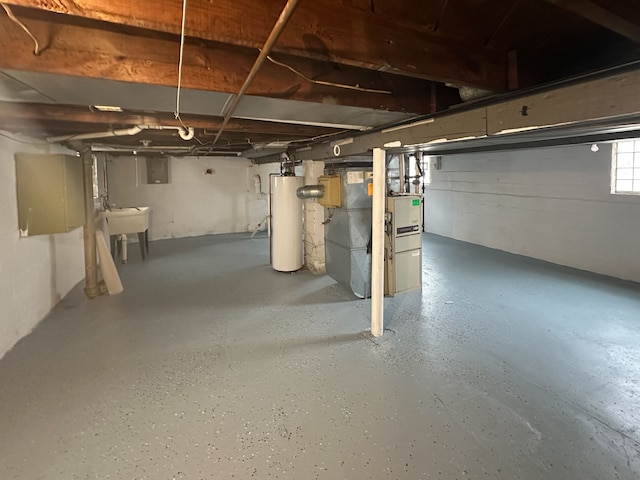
{"type": "Point", "coordinates": [211, 365]}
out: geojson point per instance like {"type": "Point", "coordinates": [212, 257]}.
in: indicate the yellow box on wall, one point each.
{"type": "Point", "coordinates": [332, 191]}
{"type": "Point", "coordinates": [50, 193]}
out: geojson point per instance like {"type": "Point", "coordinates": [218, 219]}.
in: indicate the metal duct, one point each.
{"type": "Point", "coordinates": [310, 191]}
{"type": "Point", "coordinates": [472, 93]}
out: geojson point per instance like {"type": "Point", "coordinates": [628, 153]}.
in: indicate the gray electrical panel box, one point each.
{"type": "Point", "coordinates": [403, 248]}
{"type": "Point", "coordinates": [50, 193]}
{"type": "Point", "coordinates": [157, 170]}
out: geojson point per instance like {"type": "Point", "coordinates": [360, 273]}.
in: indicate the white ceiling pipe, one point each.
{"type": "Point", "coordinates": [185, 133]}
{"type": "Point", "coordinates": [125, 132]}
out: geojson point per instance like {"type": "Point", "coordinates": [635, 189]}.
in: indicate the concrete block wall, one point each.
{"type": "Point", "coordinates": [35, 272]}
{"type": "Point", "coordinates": [193, 202]}
{"type": "Point", "coordinates": [553, 204]}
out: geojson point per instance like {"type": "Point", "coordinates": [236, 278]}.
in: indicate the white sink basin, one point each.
{"type": "Point", "coordinates": [127, 220]}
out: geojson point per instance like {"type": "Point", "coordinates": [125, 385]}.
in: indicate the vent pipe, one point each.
{"type": "Point", "coordinates": [310, 191]}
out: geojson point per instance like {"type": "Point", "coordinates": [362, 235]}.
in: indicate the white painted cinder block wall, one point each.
{"type": "Point", "coordinates": [193, 202]}
{"type": "Point", "coordinates": [552, 204]}
{"type": "Point", "coordinates": [314, 255]}
{"type": "Point", "coordinates": [35, 272]}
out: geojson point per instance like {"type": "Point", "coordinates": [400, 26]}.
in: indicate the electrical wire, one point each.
{"type": "Point", "coordinates": [180, 61]}
{"type": "Point", "coordinates": [184, 18]}
{"type": "Point", "coordinates": [318, 137]}
{"type": "Point", "coordinates": [36, 50]}
{"type": "Point", "coordinates": [329, 84]}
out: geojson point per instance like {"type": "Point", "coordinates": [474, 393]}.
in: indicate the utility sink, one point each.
{"type": "Point", "coordinates": [127, 220]}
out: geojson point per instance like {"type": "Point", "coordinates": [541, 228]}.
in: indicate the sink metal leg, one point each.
{"type": "Point", "coordinates": [144, 244]}
{"type": "Point", "coordinates": [113, 241]}
{"type": "Point", "coordinates": [123, 241]}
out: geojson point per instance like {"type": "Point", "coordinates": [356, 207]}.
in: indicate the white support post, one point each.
{"type": "Point", "coordinates": [377, 242]}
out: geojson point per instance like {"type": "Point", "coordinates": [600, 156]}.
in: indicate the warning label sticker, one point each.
{"type": "Point", "coordinates": [355, 177]}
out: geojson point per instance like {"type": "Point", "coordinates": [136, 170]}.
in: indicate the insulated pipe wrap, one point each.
{"type": "Point", "coordinates": [310, 191]}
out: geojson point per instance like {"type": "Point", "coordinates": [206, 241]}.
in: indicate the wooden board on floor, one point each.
{"type": "Point", "coordinates": [107, 266]}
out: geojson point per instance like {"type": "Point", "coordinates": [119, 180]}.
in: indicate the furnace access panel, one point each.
{"type": "Point", "coordinates": [404, 244]}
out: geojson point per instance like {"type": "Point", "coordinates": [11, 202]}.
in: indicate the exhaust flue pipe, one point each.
{"type": "Point", "coordinates": [310, 191]}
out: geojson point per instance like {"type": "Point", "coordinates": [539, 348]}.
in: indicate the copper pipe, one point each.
{"type": "Point", "coordinates": [285, 15]}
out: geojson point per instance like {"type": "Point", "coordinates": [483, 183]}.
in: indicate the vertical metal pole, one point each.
{"type": "Point", "coordinates": [401, 173]}
{"type": "Point", "coordinates": [91, 288]}
{"type": "Point", "coordinates": [377, 243]}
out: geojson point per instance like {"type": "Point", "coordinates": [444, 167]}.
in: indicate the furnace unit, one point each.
{"type": "Point", "coordinates": [403, 244]}
{"type": "Point", "coordinates": [347, 198]}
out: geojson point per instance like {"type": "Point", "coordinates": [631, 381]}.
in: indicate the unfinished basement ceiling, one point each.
{"type": "Point", "coordinates": [398, 59]}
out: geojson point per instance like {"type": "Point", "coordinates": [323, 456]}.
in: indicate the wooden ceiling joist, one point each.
{"type": "Point", "coordinates": [601, 16]}
{"type": "Point", "coordinates": [322, 30]}
{"type": "Point", "coordinates": [81, 51]}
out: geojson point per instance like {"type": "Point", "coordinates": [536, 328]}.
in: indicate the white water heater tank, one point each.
{"type": "Point", "coordinates": [286, 224]}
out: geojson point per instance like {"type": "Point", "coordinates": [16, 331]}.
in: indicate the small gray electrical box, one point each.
{"type": "Point", "coordinates": [157, 170]}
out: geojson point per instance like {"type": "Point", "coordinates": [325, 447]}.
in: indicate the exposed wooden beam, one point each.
{"type": "Point", "coordinates": [68, 117]}
{"type": "Point", "coordinates": [596, 104]}
{"type": "Point", "coordinates": [601, 16]}
{"type": "Point", "coordinates": [321, 29]}
{"type": "Point", "coordinates": [88, 52]}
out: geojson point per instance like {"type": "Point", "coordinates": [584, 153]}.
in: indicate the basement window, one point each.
{"type": "Point", "coordinates": [625, 167]}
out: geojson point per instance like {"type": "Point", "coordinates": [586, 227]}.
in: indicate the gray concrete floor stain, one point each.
{"type": "Point", "coordinates": [211, 365]}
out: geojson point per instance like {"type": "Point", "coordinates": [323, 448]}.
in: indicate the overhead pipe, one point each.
{"type": "Point", "coordinates": [285, 15]}
{"type": "Point", "coordinates": [184, 133]}
{"type": "Point", "coordinates": [89, 136]}
{"type": "Point", "coordinates": [99, 147]}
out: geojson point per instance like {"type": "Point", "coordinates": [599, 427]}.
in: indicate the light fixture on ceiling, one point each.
{"type": "Point", "coordinates": [594, 147]}
{"type": "Point", "coordinates": [107, 108]}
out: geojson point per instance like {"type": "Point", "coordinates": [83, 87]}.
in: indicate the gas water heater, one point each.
{"type": "Point", "coordinates": [286, 224]}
